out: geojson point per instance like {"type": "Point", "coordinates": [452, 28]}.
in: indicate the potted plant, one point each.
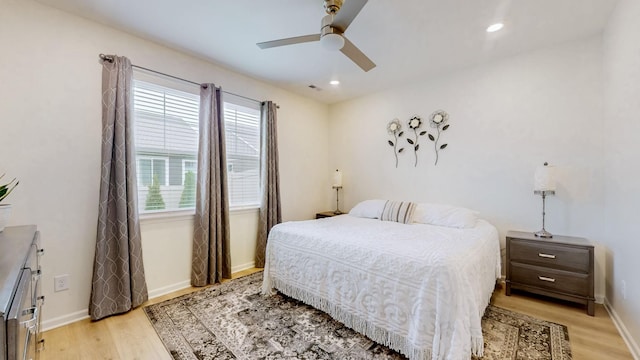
{"type": "Point", "coordinates": [5, 209]}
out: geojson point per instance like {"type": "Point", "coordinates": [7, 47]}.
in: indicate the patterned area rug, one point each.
{"type": "Point", "coordinates": [233, 321]}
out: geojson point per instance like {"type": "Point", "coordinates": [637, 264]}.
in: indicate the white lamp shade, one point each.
{"type": "Point", "coordinates": [337, 178]}
{"type": "Point", "coordinates": [544, 179]}
{"type": "Point", "coordinates": [332, 42]}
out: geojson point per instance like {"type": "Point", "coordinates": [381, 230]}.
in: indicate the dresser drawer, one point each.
{"type": "Point", "coordinates": [557, 256]}
{"type": "Point", "coordinates": [551, 279]}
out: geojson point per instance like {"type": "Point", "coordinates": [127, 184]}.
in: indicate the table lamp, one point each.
{"type": "Point", "coordinates": [337, 184]}
{"type": "Point", "coordinates": [544, 184]}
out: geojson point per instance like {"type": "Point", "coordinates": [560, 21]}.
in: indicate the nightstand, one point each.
{"type": "Point", "coordinates": [326, 214]}
{"type": "Point", "coordinates": [559, 267]}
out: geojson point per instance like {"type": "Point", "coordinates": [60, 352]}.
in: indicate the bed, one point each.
{"type": "Point", "coordinates": [420, 289]}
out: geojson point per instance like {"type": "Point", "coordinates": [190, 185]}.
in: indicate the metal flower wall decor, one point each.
{"type": "Point", "coordinates": [438, 120]}
{"type": "Point", "coordinates": [415, 123]}
{"type": "Point", "coordinates": [395, 128]}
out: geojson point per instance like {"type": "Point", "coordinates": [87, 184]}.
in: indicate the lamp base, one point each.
{"type": "Point", "coordinates": [337, 211]}
{"type": "Point", "coordinates": [543, 234]}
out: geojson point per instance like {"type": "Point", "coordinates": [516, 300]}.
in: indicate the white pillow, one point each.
{"type": "Point", "coordinates": [445, 215]}
{"type": "Point", "coordinates": [371, 209]}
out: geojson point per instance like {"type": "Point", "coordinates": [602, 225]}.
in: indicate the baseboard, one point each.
{"type": "Point", "coordinates": [64, 319]}
{"type": "Point", "coordinates": [84, 314]}
{"type": "Point", "coordinates": [169, 289]}
{"type": "Point", "coordinates": [631, 343]}
{"type": "Point", "coordinates": [237, 268]}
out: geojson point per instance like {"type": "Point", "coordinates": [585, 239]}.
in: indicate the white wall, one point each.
{"type": "Point", "coordinates": [506, 118]}
{"type": "Point", "coordinates": [50, 104]}
{"type": "Point", "coordinates": [622, 158]}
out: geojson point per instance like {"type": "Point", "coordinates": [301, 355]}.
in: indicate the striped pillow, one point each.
{"type": "Point", "coordinates": [398, 211]}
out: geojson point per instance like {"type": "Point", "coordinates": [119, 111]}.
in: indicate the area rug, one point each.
{"type": "Point", "coordinates": [233, 321]}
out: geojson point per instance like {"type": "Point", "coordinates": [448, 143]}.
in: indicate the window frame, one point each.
{"type": "Point", "coordinates": [169, 191]}
{"type": "Point", "coordinates": [239, 102]}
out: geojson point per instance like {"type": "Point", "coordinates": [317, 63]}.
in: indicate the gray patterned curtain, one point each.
{"type": "Point", "coordinates": [118, 272]}
{"type": "Point", "coordinates": [211, 256]}
{"type": "Point", "coordinates": [270, 213]}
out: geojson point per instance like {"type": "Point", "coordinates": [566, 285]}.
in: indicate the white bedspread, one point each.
{"type": "Point", "coordinates": [419, 289]}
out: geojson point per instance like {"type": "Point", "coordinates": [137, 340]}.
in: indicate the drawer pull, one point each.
{"type": "Point", "coordinates": [544, 278]}
{"type": "Point", "coordinates": [548, 256]}
{"type": "Point", "coordinates": [34, 317]}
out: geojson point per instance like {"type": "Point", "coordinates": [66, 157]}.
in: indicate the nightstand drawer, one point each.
{"type": "Point", "coordinates": [546, 278]}
{"type": "Point", "coordinates": [556, 256]}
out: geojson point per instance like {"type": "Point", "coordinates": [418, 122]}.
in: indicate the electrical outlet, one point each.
{"type": "Point", "coordinates": [61, 282]}
{"type": "Point", "coordinates": [624, 289]}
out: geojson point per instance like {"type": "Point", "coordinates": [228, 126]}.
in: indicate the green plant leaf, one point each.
{"type": "Point", "coordinates": [6, 189]}
{"type": "Point", "coordinates": [401, 149]}
{"type": "Point", "coordinates": [410, 141]}
{"type": "Point", "coordinates": [431, 138]}
{"type": "Point", "coordinates": [422, 133]}
{"type": "Point", "coordinates": [443, 146]}
{"type": "Point", "coordinates": [415, 148]}
{"type": "Point", "coordinates": [390, 142]}
{"type": "Point", "coordinates": [445, 127]}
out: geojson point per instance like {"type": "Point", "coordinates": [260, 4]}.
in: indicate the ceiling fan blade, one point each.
{"type": "Point", "coordinates": [349, 10]}
{"type": "Point", "coordinates": [289, 41]}
{"type": "Point", "coordinates": [357, 56]}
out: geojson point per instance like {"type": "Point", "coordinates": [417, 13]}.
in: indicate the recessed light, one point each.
{"type": "Point", "coordinates": [495, 27]}
{"type": "Point", "coordinates": [334, 82]}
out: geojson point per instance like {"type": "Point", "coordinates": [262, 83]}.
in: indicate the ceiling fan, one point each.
{"type": "Point", "coordinates": [340, 15]}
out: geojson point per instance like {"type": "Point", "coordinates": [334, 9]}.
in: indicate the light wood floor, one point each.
{"type": "Point", "coordinates": [131, 336]}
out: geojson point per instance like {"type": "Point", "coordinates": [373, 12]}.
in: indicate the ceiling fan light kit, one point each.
{"type": "Point", "coordinates": [330, 38]}
{"type": "Point", "coordinates": [332, 30]}
{"type": "Point", "coordinates": [333, 42]}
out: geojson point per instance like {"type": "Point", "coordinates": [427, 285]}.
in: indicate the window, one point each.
{"type": "Point", "coordinates": [166, 135]}
{"type": "Point", "coordinates": [166, 116]}
{"type": "Point", "coordinates": [242, 135]}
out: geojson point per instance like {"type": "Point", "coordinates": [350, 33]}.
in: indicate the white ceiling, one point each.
{"type": "Point", "coordinates": [407, 39]}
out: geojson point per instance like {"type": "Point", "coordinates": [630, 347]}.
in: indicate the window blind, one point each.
{"type": "Point", "coordinates": [166, 135]}
{"type": "Point", "coordinates": [242, 136]}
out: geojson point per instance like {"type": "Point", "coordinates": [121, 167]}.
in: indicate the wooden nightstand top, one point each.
{"type": "Point", "coordinates": [556, 239]}
{"type": "Point", "coordinates": [326, 214]}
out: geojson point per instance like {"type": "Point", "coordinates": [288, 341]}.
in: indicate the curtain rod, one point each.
{"type": "Point", "coordinates": [109, 58]}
